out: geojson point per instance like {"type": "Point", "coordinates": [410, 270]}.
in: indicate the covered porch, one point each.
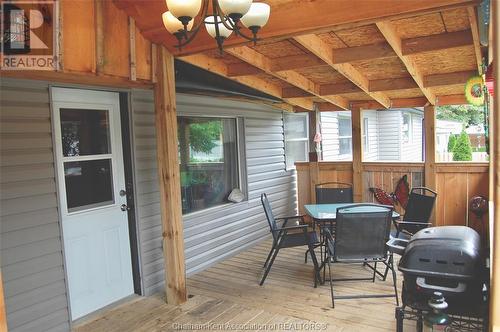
{"type": "Point", "coordinates": [192, 257]}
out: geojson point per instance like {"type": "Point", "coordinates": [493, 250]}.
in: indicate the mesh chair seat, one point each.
{"type": "Point", "coordinates": [297, 239]}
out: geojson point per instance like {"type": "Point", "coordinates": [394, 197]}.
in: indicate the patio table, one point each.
{"type": "Point", "coordinates": [326, 214]}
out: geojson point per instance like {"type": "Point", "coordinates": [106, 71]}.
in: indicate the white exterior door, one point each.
{"type": "Point", "coordinates": [92, 198]}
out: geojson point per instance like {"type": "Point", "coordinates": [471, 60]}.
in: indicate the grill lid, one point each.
{"type": "Point", "coordinates": [445, 252]}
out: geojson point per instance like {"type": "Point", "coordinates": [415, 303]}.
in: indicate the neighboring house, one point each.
{"type": "Point", "coordinates": [380, 141]}
{"type": "Point", "coordinates": [444, 129]}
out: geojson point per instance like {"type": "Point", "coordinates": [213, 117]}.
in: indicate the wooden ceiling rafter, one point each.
{"type": "Point", "coordinates": [218, 67]}
{"type": "Point", "coordinates": [258, 60]}
{"type": "Point", "coordinates": [436, 42]}
{"type": "Point", "coordinates": [392, 37]}
{"type": "Point", "coordinates": [324, 51]}
{"type": "Point", "coordinates": [280, 24]}
{"type": "Point", "coordinates": [471, 11]}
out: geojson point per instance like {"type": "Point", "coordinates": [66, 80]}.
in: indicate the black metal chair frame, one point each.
{"type": "Point", "coordinates": [279, 237]}
{"type": "Point", "coordinates": [403, 226]}
{"type": "Point", "coordinates": [387, 259]}
{"type": "Point", "coordinates": [350, 199]}
{"type": "Point", "coordinates": [416, 224]}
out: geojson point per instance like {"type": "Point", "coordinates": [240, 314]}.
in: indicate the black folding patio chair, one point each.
{"type": "Point", "coordinates": [334, 192]}
{"type": "Point", "coordinates": [418, 211]}
{"type": "Point", "coordinates": [283, 238]}
{"type": "Point", "coordinates": [362, 232]}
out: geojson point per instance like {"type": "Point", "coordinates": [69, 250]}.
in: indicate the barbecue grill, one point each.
{"type": "Point", "coordinates": [447, 260]}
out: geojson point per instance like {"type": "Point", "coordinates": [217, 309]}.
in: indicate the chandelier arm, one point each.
{"type": "Point", "coordinates": [228, 22]}
{"type": "Point", "coordinates": [218, 37]}
{"type": "Point", "coordinates": [241, 34]}
{"type": "Point", "coordinates": [192, 34]}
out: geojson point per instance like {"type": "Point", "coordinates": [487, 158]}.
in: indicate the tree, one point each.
{"type": "Point", "coordinates": [462, 151]}
{"type": "Point", "coordinates": [451, 142]}
{"type": "Point", "coordinates": [469, 115]}
{"type": "Point", "coordinates": [203, 135]}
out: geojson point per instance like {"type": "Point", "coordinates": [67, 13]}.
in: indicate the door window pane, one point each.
{"type": "Point", "coordinates": [88, 184]}
{"type": "Point", "coordinates": [208, 157]}
{"type": "Point", "coordinates": [84, 132]}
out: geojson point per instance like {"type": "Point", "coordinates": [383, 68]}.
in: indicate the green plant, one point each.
{"type": "Point", "coordinates": [462, 151]}
{"type": "Point", "coordinates": [203, 135]}
{"type": "Point", "coordinates": [451, 142]}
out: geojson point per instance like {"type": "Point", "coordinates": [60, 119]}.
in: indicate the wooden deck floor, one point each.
{"type": "Point", "coordinates": [228, 295]}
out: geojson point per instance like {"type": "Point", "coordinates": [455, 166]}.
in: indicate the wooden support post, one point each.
{"type": "Point", "coordinates": [495, 188]}
{"type": "Point", "coordinates": [133, 57]}
{"type": "Point", "coordinates": [314, 128]}
{"type": "Point", "coordinates": [169, 178]}
{"type": "Point", "coordinates": [3, 316]}
{"type": "Point", "coordinates": [99, 35]}
{"type": "Point", "coordinates": [357, 154]}
{"type": "Point", "coordinates": [430, 151]}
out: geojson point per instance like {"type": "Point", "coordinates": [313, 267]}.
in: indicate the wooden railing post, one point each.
{"type": "Point", "coordinates": [3, 316]}
{"type": "Point", "coordinates": [430, 153]}
{"type": "Point", "coordinates": [357, 154]}
{"type": "Point", "coordinates": [169, 178]}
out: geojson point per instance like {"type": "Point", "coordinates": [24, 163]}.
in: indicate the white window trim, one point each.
{"type": "Point", "coordinates": [343, 117]}
{"type": "Point", "coordinates": [301, 139]}
{"type": "Point", "coordinates": [410, 129]}
{"type": "Point", "coordinates": [365, 134]}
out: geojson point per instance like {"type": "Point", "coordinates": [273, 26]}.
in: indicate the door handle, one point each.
{"type": "Point", "coordinates": [124, 207]}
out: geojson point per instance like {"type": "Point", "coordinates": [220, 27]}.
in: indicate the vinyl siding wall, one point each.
{"type": "Point", "coordinates": [330, 143]}
{"type": "Point", "coordinates": [31, 252]}
{"type": "Point", "coordinates": [412, 151]}
{"type": "Point", "coordinates": [389, 135]}
{"type": "Point", "coordinates": [217, 233]}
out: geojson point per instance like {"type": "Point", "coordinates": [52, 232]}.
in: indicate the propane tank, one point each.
{"type": "Point", "coordinates": [436, 319]}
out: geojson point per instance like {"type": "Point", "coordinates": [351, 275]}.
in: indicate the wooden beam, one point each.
{"type": "Point", "coordinates": [308, 17]}
{"type": "Point", "coordinates": [133, 58]}
{"type": "Point", "coordinates": [366, 105]}
{"type": "Point", "coordinates": [390, 34]}
{"type": "Point", "coordinates": [242, 69]}
{"type": "Point", "coordinates": [459, 77]}
{"type": "Point", "coordinates": [392, 84]}
{"type": "Point", "coordinates": [357, 154]}
{"type": "Point", "coordinates": [294, 92]}
{"type": "Point", "coordinates": [99, 34]}
{"type": "Point", "coordinates": [338, 88]}
{"type": "Point", "coordinates": [327, 107]}
{"type": "Point", "coordinates": [77, 78]}
{"type": "Point", "coordinates": [436, 42]}
{"type": "Point", "coordinates": [296, 62]}
{"type": "Point", "coordinates": [451, 100]}
{"type": "Point", "coordinates": [169, 179]}
{"type": "Point", "coordinates": [430, 150]}
{"type": "Point", "coordinates": [366, 52]}
{"type": "Point", "coordinates": [409, 102]}
{"type": "Point", "coordinates": [3, 315]}
{"type": "Point", "coordinates": [324, 51]}
{"type": "Point", "coordinates": [471, 11]}
{"type": "Point", "coordinates": [218, 67]}
{"type": "Point", "coordinates": [258, 60]}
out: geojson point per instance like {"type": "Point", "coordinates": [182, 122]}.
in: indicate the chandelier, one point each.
{"type": "Point", "coordinates": [227, 17]}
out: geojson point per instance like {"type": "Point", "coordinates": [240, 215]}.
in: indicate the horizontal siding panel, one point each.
{"type": "Point", "coordinates": [29, 219]}
{"type": "Point", "coordinates": [35, 296]}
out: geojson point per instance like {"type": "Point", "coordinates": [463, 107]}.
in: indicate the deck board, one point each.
{"type": "Point", "coordinates": [229, 293]}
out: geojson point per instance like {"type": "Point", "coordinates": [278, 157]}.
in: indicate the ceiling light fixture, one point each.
{"type": "Point", "coordinates": [225, 19]}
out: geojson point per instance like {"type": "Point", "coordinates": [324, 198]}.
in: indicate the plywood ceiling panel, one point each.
{"type": "Point", "coordinates": [226, 58]}
{"type": "Point", "coordinates": [274, 80]}
{"type": "Point", "coordinates": [446, 61]}
{"type": "Point", "coordinates": [332, 39]}
{"type": "Point", "coordinates": [278, 49]}
{"type": "Point", "coordinates": [417, 26]}
{"type": "Point", "coordinates": [323, 75]}
{"type": "Point", "coordinates": [364, 35]}
{"type": "Point", "coordinates": [382, 68]}
{"type": "Point", "coordinates": [456, 19]}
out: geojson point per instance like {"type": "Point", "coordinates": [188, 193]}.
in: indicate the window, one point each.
{"type": "Point", "coordinates": [296, 138]}
{"type": "Point", "coordinates": [406, 132]}
{"type": "Point", "coordinates": [345, 136]}
{"type": "Point", "coordinates": [208, 155]}
{"type": "Point", "coordinates": [461, 134]}
{"type": "Point", "coordinates": [366, 146]}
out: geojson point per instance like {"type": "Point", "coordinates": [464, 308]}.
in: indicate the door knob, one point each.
{"type": "Point", "coordinates": [124, 207]}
